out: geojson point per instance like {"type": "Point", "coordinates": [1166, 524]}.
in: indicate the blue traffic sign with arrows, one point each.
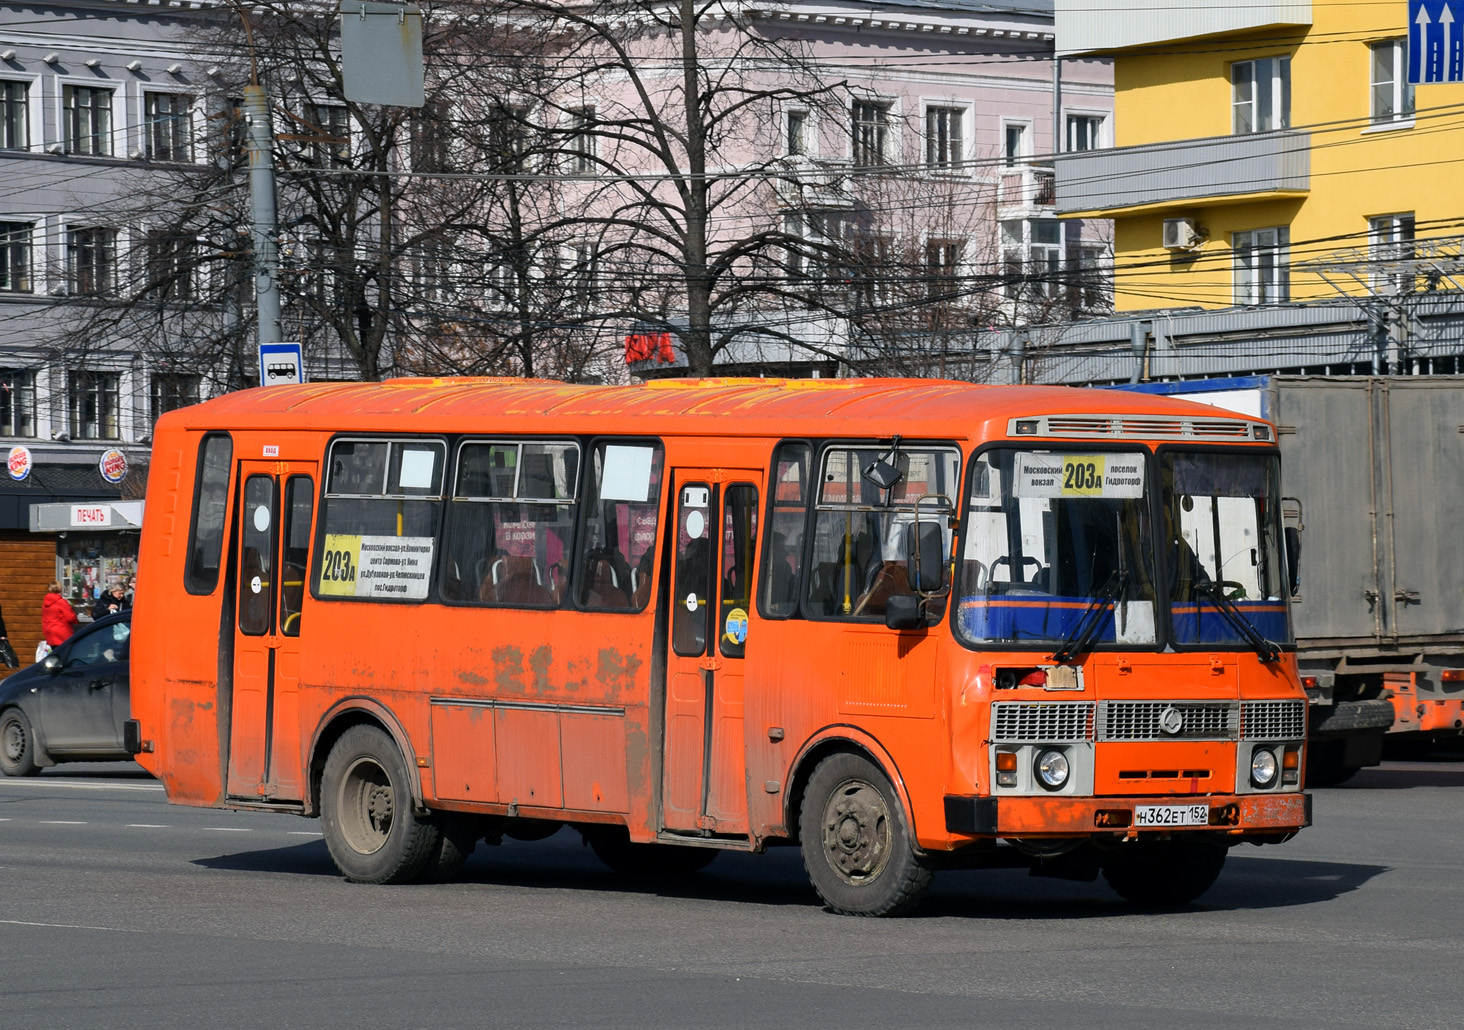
{"type": "Point", "coordinates": [1435, 41]}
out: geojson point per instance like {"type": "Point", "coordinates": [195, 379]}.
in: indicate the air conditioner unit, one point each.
{"type": "Point", "coordinates": [1181, 233]}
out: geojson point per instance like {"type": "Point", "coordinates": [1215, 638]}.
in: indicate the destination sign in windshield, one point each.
{"type": "Point", "coordinates": [1079, 475]}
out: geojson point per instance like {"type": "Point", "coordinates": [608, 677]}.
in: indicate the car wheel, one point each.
{"type": "Point", "coordinates": [17, 744]}
{"type": "Point", "coordinates": [856, 846]}
{"type": "Point", "coordinates": [366, 812]}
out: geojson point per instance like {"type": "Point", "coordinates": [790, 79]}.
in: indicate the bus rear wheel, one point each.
{"type": "Point", "coordinates": [366, 811]}
{"type": "Point", "coordinates": [856, 847]}
{"type": "Point", "coordinates": [1163, 873]}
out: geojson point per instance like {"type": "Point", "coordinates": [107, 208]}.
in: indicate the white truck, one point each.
{"type": "Point", "coordinates": [1372, 470]}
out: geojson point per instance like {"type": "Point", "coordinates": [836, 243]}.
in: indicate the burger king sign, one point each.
{"type": "Point", "coordinates": [113, 466]}
{"type": "Point", "coordinates": [19, 463]}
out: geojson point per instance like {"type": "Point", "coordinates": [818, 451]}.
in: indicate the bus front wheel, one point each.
{"type": "Point", "coordinates": [1163, 873]}
{"type": "Point", "coordinates": [856, 846]}
{"type": "Point", "coordinates": [366, 811]}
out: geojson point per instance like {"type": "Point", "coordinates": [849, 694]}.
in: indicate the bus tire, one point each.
{"type": "Point", "coordinates": [366, 811]}
{"type": "Point", "coordinates": [17, 744]}
{"type": "Point", "coordinates": [1163, 873]}
{"type": "Point", "coordinates": [856, 846]}
{"type": "Point", "coordinates": [613, 846]}
{"type": "Point", "coordinates": [457, 837]}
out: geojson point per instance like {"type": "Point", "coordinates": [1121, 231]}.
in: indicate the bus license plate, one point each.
{"type": "Point", "coordinates": [1171, 815]}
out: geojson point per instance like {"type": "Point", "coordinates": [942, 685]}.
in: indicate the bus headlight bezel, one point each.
{"type": "Point", "coordinates": [1265, 769]}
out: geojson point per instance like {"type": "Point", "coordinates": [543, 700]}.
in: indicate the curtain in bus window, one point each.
{"type": "Point", "coordinates": [206, 542]}
{"type": "Point", "coordinates": [1053, 540]}
{"type": "Point", "coordinates": [1223, 534]}
{"type": "Point", "coordinates": [299, 504]}
{"type": "Point", "coordinates": [739, 535]}
{"type": "Point", "coordinates": [382, 503]}
{"type": "Point", "coordinates": [860, 530]}
{"type": "Point", "coordinates": [784, 559]}
{"type": "Point", "coordinates": [616, 565]}
{"type": "Point", "coordinates": [510, 523]}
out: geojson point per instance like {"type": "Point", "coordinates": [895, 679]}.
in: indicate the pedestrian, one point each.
{"type": "Point", "coordinates": [109, 601]}
{"type": "Point", "coordinates": [131, 592]}
{"type": "Point", "coordinates": [57, 616]}
{"type": "Point", "coordinates": [7, 653]}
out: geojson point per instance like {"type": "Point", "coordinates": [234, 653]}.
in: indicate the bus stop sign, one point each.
{"type": "Point", "coordinates": [1435, 41]}
{"type": "Point", "coordinates": [280, 363]}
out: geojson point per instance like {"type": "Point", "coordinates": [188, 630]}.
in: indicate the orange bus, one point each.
{"type": "Point", "coordinates": [905, 625]}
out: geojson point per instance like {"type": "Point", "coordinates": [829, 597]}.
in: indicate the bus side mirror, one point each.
{"type": "Point", "coordinates": [925, 565]}
{"type": "Point", "coordinates": [1293, 559]}
{"type": "Point", "coordinates": [902, 611]}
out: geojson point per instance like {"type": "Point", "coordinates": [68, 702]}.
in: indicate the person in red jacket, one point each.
{"type": "Point", "coordinates": [57, 616]}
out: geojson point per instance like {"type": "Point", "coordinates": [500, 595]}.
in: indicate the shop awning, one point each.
{"type": "Point", "coordinates": [85, 515]}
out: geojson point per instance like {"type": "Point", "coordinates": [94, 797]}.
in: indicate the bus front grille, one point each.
{"type": "Point", "coordinates": [1041, 721]}
{"type": "Point", "coordinates": [1168, 720]}
{"type": "Point", "coordinates": [1272, 720]}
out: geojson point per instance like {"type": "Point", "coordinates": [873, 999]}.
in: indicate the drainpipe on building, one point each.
{"type": "Point", "coordinates": [1139, 344]}
{"type": "Point", "coordinates": [1016, 352]}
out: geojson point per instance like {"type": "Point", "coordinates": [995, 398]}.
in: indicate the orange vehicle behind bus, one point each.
{"type": "Point", "coordinates": [906, 625]}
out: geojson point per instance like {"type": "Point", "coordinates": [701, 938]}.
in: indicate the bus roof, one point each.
{"type": "Point", "coordinates": [928, 408]}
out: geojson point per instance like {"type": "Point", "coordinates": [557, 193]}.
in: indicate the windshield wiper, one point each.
{"type": "Point", "coordinates": [1267, 651]}
{"type": "Point", "coordinates": [1080, 641]}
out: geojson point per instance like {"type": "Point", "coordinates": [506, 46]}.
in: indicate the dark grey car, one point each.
{"type": "Point", "coordinates": [71, 707]}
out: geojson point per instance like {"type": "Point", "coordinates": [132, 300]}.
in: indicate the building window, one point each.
{"type": "Point", "coordinates": [15, 257]}
{"type": "Point", "coordinates": [170, 260]}
{"type": "Point", "coordinates": [508, 138]}
{"type": "Point", "coordinates": [1262, 274]}
{"type": "Point", "coordinates": [821, 247]}
{"type": "Point", "coordinates": [942, 263]}
{"type": "Point", "coordinates": [92, 400]}
{"type": "Point", "coordinates": [1032, 258]}
{"type": "Point", "coordinates": [88, 120]}
{"type": "Point", "coordinates": [17, 402]}
{"type": "Point", "coordinates": [1261, 94]}
{"type": "Point", "coordinates": [870, 278]}
{"type": "Point", "coordinates": [1392, 93]}
{"type": "Point", "coordinates": [581, 260]}
{"type": "Point", "coordinates": [1084, 131]}
{"type": "Point", "coordinates": [333, 149]}
{"type": "Point", "coordinates": [581, 140]}
{"type": "Point", "coordinates": [1390, 239]}
{"type": "Point", "coordinates": [14, 115]}
{"type": "Point", "coordinates": [871, 123]}
{"type": "Point", "coordinates": [1015, 143]}
{"type": "Point", "coordinates": [168, 126]}
{"type": "Point", "coordinates": [795, 133]}
{"type": "Point", "coordinates": [944, 147]}
{"type": "Point", "coordinates": [171, 391]}
{"type": "Point", "coordinates": [91, 261]}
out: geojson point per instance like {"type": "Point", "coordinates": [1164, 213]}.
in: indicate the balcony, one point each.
{"type": "Point", "coordinates": [1024, 191]}
{"type": "Point", "coordinates": [1186, 173]}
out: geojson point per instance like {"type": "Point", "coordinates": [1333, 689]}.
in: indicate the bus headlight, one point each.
{"type": "Point", "coordinates": [1051, 768]}
{"type": "Point", "coordinates": [1263, 767]}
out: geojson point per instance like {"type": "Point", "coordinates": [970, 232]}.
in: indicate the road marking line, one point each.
{"type": "Point", "coordinates": [69, 926]}
{"type": "Point", "coordinates": [147, 826]}
{"type": "Point", "coordinates": [34, 782]}
{"type": "Point", "coordinates": [303, 833]}
{"type": "Point", "coordinates": [62, 822]}
{"type": "Point", "coordinates": [230, 829]}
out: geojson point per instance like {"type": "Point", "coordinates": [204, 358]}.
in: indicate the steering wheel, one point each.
{"type": "Point", "coordinates": [1006, 559]}
{"type": "Point", "coordinates": [1232, 590]}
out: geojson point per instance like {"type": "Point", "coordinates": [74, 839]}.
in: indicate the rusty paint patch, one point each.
{"type": "Point", "coordinates": [637, 759]}
{"type": "Point", "coordinates": [509, 669]}
{"type": "Point", "coordinates": [539, 666]}
{"type": "Point", "coordinates": [472, 678]}
{"type": "Point", "coordinates": [617, 671]}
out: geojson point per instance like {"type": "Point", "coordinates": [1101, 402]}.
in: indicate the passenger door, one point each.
{"type": "Point", "coordinates": [704, 788]}
{"type": "Point", "coordinates": [274, 517]}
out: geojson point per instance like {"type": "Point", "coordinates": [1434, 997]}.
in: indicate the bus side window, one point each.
{"type": "Point", "coordinates": [618, 548]}
{"type": "Point", "coordinates": [739, 534]}
{"type": "Point", "coordinates": [379, 518]}
{"type": "Point", "coordinates": [512, 512]}
{"type": "Point", "coordinates": [299, 504]}
{"type": "Point", "coordinates": [788, 506]}
{"type": "Point", "coordinates": [211, 496]}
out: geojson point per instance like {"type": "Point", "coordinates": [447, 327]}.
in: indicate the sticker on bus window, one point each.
{"type": "Point", "coordinates": [627, 473]}
{"type": "Point", "coordinates": [1078, 475]}
{"type": "Point", "coordinates": [736, 627]}
{"type": "Point", "coordinates": [418, 465]}
{"type": "Point", "coordinates": [376, 566]}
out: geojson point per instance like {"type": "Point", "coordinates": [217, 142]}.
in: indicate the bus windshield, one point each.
{"type": "Point", "coordinates": [1058, 546]}
{"type": "Point", "coordinates": [1222, 515]}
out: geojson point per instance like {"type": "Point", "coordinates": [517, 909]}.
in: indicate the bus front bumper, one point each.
{"type": "Point", "coordinates": [1027, 816]}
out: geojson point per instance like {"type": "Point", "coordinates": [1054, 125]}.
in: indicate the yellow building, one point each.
{"type": "Point", "coordinates": [1255, 138]}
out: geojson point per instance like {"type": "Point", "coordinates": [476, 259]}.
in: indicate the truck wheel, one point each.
{"type": "Point", "coordinates": [1163, 873]}
{"type": "Point", "coordinates": [17, 744]}
{"type": "Point", "coordinates": [612, 845]}
{"type": "Point", "coordinates": [856, 847]}
{"type": "Point", "coordinates": [366, 811]}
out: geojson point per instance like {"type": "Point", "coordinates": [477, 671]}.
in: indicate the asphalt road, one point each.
{"type": "Point", "coordinates": [117, 910]}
